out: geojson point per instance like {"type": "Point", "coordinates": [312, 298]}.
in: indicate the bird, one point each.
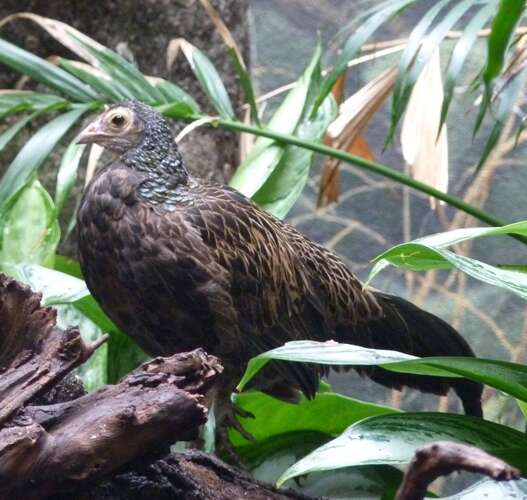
{"type": "Point", "coordinates": [179, 263]}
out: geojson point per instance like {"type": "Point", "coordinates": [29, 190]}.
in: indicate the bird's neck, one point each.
{"type": "Point", "coordinates": [160, 160]}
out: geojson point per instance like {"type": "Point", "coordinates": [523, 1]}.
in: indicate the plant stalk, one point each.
{"type": "Point", "coordinates": [371, 166]}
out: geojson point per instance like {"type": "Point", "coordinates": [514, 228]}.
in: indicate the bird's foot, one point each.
{"type": "Point", "coordinates": [228, 421]}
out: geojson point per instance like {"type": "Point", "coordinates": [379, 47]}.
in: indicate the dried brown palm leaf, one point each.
{"type": "Point", "coordinates": [346, 130]}
{"type": "Point", "coordinates": [424, 150]}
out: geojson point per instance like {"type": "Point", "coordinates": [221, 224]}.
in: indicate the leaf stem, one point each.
{"type": "Point", "coordinates": [371, 166]}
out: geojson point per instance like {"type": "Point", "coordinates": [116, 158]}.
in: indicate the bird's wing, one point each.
{"type": "Point", "coordinates": [283, 286]}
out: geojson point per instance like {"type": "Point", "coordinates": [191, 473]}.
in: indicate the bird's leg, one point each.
{"type": "Point", "coordinates": [226, 413]}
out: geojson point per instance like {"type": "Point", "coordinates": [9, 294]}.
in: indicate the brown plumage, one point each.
{"type": "Point", "coordinates": [180, 263]}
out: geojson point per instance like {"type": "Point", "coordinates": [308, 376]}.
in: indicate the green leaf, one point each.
{"type": "Point", "coordinates": [29, 100]}
{"type": "Point", "coordinates": [328, 413]}
{"type": "Point", "coordinates": [508, 97]}
{"type": "Point", "coordinates": [510, 378]}
{"type": "Point", "coordinates": [118, 68]}
{"type": "Point", "coordinates": [67, 173]}
{"type": "Point", "coordinates": [429, 253]}
{"type": "Point", "coordinates": [34, 152]}
{"type": "Point", "coordinates": [407, 76]}
{"type": "Point", "coordinates": [324, 353]}
{"type": "Point", "coordinates": [209, 79]}
{"type": "Point", "coordinates": [502, 29]}
{"type": "Point", "coordinates": [461, 52]}
{"type": "Point", "coordinates": [176, 110]}
{"type": "Point", "coordinates": [380, 15]}
{"type": "Point", "coordinates": [246, 83]}
{"type": "Point", "coordinates": [266, 154]}
{"type": "Point", "coordinates": [44, 72]}
{"type": "Point", "coordinates": [393, 439]}
{"type": "Point", "coordinates": [56, 287]}
{"type": "Point", "coordinates": [175, 94]}
{"type": "Point", "coordinates": [108, 87]}
{"type": "Point", "coordinates": [418, 257]}
{"type": "Point", "coordinates": [283, 187]}
{"type": "Point", "coordinates": [124, 355]}
{"type": "Point", "coordinates": [30, 230]}
{"type": "Point", "coordinates": [9, 134]}
{"type": "Point", "coordinates": [491, 489]}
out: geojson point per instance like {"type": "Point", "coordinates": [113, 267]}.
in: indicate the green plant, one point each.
{"type": "Point", "coordinates": [274, 174]}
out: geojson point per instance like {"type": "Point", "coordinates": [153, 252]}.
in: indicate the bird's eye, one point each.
{"type": "Point", "coordinates": [118, 120]}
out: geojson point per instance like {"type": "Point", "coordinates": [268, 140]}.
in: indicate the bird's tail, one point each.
{"type": "Point", "coordinates": [407, 328]}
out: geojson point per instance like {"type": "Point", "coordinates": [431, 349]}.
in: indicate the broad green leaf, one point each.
{"type": "Point", "coordinates": [393, 439]}
{"type": "Point", "coordinates": [35, 151]}
{"type": "Point", "coordinates": [418, 257]}
{"type": "Point", "coordinates": [283, 187]}
{"type": "Point", "coordinates": [124, 355]}
{"type": "Point", "coordinates": [266, 154]}
{"type": "Point", "coordinates": [30, 231]}
{"type": "Point", "coordinates": [510, 378]}
{"type": "Point", "coordinates": [324, 353]}
{"type": "Point", "coordinates": [44, 72]}
{"type": "Point", "coordinates": [429, 253]}
{"type": "Point", "coordinates": [93, 371]}
{"type": "Point", "coordinates": [67, 265]}
{"type": "Point", "coordinates": [67, 173]}
{"type": "Point", "coordinates": [379, 16]}
{"type": "Point", "coordinates": [269, 459]}
{"type": "Point", "coordinates": [328, 413]}
{"type": "Point", "coordinates": [56, 287]}
{"type": "Point", "coordinates": [491, 489]}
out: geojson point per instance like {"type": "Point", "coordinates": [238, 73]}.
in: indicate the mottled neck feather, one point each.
{"type": "Point", "coordinates": [156, 155]}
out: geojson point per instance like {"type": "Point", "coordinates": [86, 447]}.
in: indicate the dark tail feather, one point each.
{"type": "Point", "coordinates": [408, 329]}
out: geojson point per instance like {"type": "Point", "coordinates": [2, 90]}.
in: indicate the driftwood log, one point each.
{"type": "Point", "coordinates": [58, 442]}
{"type": "Point", "coordinates": [55, 438]}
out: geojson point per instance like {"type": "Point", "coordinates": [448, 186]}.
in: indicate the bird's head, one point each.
{"type": "Point", "coordinates": [125, 126]}
{"type": "Point", "coordinates": [142, 137]}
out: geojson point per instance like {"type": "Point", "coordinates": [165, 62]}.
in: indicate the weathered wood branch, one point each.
{"type": "Point", "coordinates": [444, 457]}
{"type": "Point", "coordinates": [55, 438]}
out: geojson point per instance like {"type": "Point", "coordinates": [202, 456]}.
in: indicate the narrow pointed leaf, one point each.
{"type": "Point", "coordinates": [44, 72]}
{"type": "Point", "coordinates": [67, 173]}
{"type": "Point", "coordinates": [406, 80]}
{"type": "Point", "coordinates": [206, 74]}
{"type": "Point", "coordinates": [35, 151]}
{"type": "Point", "coordinates": [461, 52]}
{"type": "Point", "coordinates": [381, 14]}
{"type": "Point", "coordinates": [502, 29]}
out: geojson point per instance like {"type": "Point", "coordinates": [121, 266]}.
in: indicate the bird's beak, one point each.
{"type": "Point", "coordinates": [91, 134]}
